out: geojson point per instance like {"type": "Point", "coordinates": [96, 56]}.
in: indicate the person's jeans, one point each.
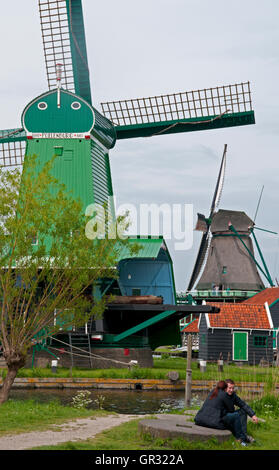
{"type": "Point", "coordinates": [236, 422]}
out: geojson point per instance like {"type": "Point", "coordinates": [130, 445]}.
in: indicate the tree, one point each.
{"type": "Point", "coordinates": [47, 263]}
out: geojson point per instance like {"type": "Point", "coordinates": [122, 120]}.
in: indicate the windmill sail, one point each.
{"type": "Point", "coordinates": [210, 108]}
{"type": "Point", "coordinates": [12, 147]}
{"type": "Point", "coordinates": [204, 224]}
{"type": "Point", "coordinates": [200, 259]}
{"type": "Point", "coordinates": [220, 183]}
{"type": "Point", "coordinates": [12, 135]}
{"type": "Point", "coordinates": [64, 43]}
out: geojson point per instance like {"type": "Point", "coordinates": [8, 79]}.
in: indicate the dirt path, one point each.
{"type": "Point", "coordinates": [79, 429]}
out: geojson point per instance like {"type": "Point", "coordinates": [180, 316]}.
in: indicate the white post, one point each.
{"type": "Point", "coordinates": [54, 366]}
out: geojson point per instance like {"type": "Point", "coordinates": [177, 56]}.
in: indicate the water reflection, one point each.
{"type": "Point", "coordinates": [121, 401]}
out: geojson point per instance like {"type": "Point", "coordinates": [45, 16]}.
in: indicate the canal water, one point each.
{"type": "Point", "coordinates": [120, 401]}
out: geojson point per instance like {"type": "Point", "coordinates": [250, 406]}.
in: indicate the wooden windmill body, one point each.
{"type": "Point", "coordinates": [229, 266]}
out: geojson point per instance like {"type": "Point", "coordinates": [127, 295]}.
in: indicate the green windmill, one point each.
{"type": "Point", "coordinates": [63, 121]}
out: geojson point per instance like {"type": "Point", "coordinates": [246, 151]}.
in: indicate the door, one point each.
{"type": "Point", "coordinates": [240, 346]}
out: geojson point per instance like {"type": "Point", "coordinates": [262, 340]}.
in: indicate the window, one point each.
{"type": "Point", "coordinates": [75, 105]}
{"type": "Point", "coordinates": [42, 105]}
{"type": "Point", "coordinates": [274, 338]}
{"type": "Point", "coordinates": [224, 270]}
{"type": "Point", "coordinates": [58, 150]}
{"type": "Point", "coordinates": [260, 341]}
{"type": "Point", "coordinates": [136, 291]}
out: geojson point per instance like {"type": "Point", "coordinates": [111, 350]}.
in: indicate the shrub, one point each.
{"type": "Point", "coordinates": [100, 401]}
{"type": "Point", "coordinates": [82, 400]}
{"type": "Point", "coordinates": [267, 406]}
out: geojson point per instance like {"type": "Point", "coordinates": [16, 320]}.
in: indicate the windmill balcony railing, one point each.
{"type": "Point", "coordinates": [178, 106]}
{"type": "Point", "coordinates": [202, 294]}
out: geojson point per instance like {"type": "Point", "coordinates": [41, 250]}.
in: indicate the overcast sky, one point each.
{"type": "Point", "coordinates": [153, 47]}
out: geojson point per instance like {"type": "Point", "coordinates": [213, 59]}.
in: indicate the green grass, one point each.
{"type": "Point", "coordinates": [266, 406]}
{"type": "Point", "coordinates": [127, 437]}
{"type": "Point", "coordinates": [23, 416]}
{"type": "Point", "coordinates": [29, 415]}
{"type": "Point", "coordinates": [245, 373]}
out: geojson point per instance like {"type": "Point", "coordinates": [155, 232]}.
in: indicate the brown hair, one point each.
{"type": "Point", "coordinates": [221, 385]}
{"type": "Point", "coordinates": [229, 381]}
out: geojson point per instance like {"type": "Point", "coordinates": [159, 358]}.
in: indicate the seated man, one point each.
{"type": "Point", "coordinates": [236, 421]}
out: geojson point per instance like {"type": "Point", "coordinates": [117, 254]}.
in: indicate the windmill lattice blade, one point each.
{"type": "Point", "coordinates": [56, 42]}
{"type": "Point", "coordinates": [186, 105]}
{"type": "Point", "coordinates": [203, 250]}
{"type": "Point", "coordinates": [12, 153]}
{"type": "Point", "coordinates": [12, 147]}
{"type": "Point", "coordinates": [219, 184]}
{"type": "Point", "coordinates": [64, 43]}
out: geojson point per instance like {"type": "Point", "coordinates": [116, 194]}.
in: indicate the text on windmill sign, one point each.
{"type": "Point", "coordinates": [58, 135]}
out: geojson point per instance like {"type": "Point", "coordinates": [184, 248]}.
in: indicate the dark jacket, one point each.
{"type": "Point", "coordinates": [230, 401]}
{"type": "Point", "coordinates": [212, 411]}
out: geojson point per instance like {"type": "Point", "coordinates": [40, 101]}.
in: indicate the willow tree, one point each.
{"type": "Point", "coordinates": [47, 263]}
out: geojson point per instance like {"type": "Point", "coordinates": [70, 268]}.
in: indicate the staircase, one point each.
{"type": "Point", "coordinates": [80, 357]}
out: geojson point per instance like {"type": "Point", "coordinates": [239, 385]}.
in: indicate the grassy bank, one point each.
{"type": "Point", "coordinates": [23, 416]}
{"type": "Point", "coordinates": [245, 373]}
{"type": "Point", "coordinates": [127, 436]}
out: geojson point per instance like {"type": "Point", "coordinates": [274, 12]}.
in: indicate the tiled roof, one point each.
{"type": "Point", "coordinates": [269, 295]}
{"type": "Point", "coordinates": [239, 315]}
{"type": "Point", "coordinates": [192, 327]}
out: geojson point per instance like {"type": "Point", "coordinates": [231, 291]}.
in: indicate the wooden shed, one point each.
{"type": "Point", "coordinates": [271, 296]}
{"type": "Point", "coordinates": [241, 332]}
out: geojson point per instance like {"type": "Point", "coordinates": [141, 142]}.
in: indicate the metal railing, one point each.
{"type": "Point", "coordinates": [182, 297]}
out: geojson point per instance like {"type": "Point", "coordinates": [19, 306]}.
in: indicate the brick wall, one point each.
{"type": "Point", "coordinates": [142, 355]}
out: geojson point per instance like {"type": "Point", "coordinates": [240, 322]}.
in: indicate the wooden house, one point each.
{"type": "Point", "coordinates": [241, 332]}
{"type": "Point", "coordinates": [193, 329]}
{"type": "Point", "coordinates": [271, 296]}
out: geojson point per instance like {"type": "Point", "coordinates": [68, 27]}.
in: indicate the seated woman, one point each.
{"type": "Point", "coordinates": [213, 410]}
{"type": "Point", "coordinates": [218, 412]}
